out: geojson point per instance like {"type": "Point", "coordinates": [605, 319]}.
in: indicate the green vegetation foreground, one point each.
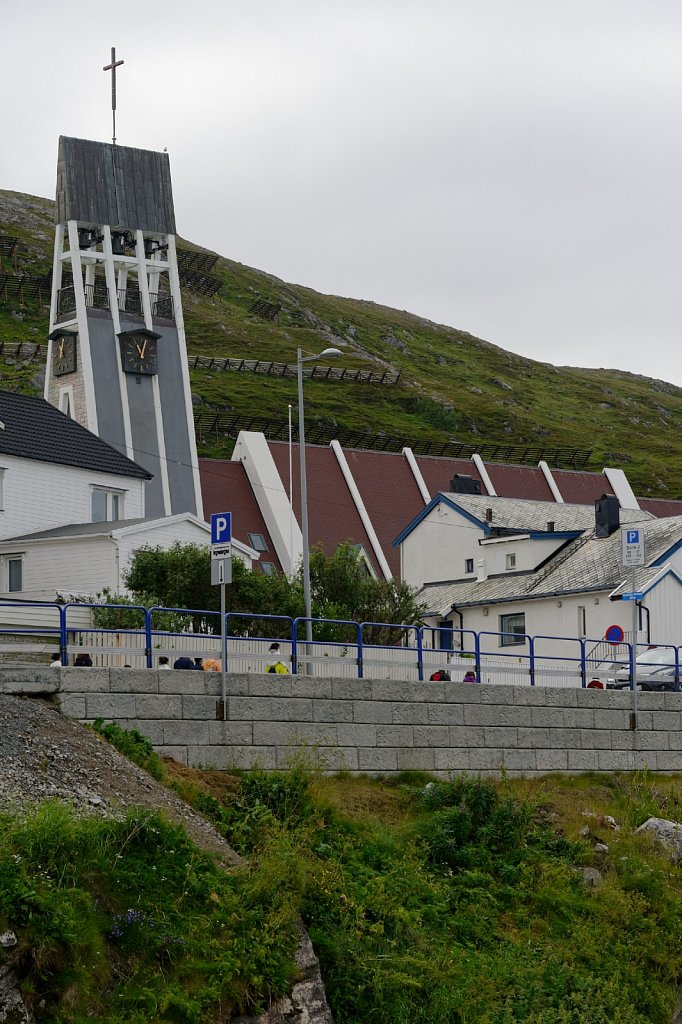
{"type": "Point", "coordinates": [458, 902]}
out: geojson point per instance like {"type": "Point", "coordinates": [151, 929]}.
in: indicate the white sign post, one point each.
{"type": "Point", "coordinates": [632, 555]}
{"type": "Point", "coordinates": [221, 573]}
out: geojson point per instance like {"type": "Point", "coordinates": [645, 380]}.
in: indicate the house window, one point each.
{"type": "Point", "coordinates": [257, 542]}
{"type": "Point", "coordinates": [512, 629]}
{"type": "Point", "coordinates": [106, 505]}
{"type": "Point", "coordinates": [510, 561]}
{"type": "Point", "coordinates": [468, 565]}
{"type": "Point", "coordinates": [582, 621]}
{"type": "Point", "coordinates": [15, 581]}
{"type": "Point", "coordinates": [268, 568]}
{"type": "Point", "coordinates": [2, 490]}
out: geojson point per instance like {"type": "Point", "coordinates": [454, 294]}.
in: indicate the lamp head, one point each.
{"type": "Point", "coordinates": [331, 352]}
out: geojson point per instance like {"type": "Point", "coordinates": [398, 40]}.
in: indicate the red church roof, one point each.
{"type": "Point", "coordinates": [388, 490]}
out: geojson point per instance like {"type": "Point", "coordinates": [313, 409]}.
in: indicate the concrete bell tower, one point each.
{"type": "Point", "coordinates": [117, 357]}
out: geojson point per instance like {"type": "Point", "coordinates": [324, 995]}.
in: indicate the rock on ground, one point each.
{"type": "Point", "coordinates": [668, 833]}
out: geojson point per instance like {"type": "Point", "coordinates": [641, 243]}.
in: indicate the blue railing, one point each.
{"type": "Point", "coordinates": [492, 657]}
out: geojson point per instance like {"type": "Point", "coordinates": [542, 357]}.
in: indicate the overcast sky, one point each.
{"type": "Point", "coordinates": [509, 167]}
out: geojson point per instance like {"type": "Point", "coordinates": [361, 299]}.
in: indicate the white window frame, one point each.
{"type": "Point", "coordinates": [510, 560]}
{"type": "Point", "coordinates": [582, 620]}
{"type": "Point", "coordinates": [110, 493]}
{"type": "Point", "coordinates": [3, 470]}
{"type": "Point", "coordinates": [66, 404]}
{"type": "Point", "coordinates": [468, 565]}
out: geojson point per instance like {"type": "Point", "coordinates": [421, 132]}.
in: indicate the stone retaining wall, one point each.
{"type": "Point", "coordinates": [374, 726]}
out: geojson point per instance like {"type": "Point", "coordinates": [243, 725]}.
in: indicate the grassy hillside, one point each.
{"type": "Point", "coordinates": [452, 385]}
{"type": "Point", "coordinates": [461, 902]}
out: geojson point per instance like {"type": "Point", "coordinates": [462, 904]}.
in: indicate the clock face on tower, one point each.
{"type": "Point", "coordinates": [139, 352]}
{"type": "Point", "coordinates": [63, 354]}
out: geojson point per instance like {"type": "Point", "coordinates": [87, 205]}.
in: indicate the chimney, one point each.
{"type": "Point", "coordinates": [488, 515]}
{"type": "Point", "coordinates": [462, 483]}
{"type": "Point", "coordinates": [606, 515]}
{"type": "Point", "coordinates": [481, 574]}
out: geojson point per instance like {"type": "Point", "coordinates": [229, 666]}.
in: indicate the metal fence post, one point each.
{"type": "Point", "coordinates": [63, 652]}
{"type": "Point", "coordinates": [148, 636]}
{"type": "Point", "coordinates": [531, 659]}
{"type": "Point", "coordinates": [420, 653]}
{"type": "Point", "coordinates": [583, 664]}
{"type": "Point", "coordinates": [359, 660]}
{"type": "Point", "coordinates": [477, 655]}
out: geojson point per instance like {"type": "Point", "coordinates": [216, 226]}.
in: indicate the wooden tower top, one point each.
{"type": "Point", "coordinates": [125, 188]}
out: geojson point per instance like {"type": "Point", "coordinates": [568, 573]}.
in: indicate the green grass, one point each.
{"type": "Point", "coordinates": [127, 921]}
{"type": "Point", "coordinates": [458, 902]}
{"type": "Point", "coordinates": [470, 907]}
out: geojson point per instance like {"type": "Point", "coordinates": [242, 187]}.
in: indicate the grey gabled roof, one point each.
{"type": "Point", "coordinates": [521, 514]}
{"type": "Point", "coordinates": [586, 564]}
{"type": "Point", "coordinates": [34, 429]}
{"type": "Point", "coordinates": [72, 530]}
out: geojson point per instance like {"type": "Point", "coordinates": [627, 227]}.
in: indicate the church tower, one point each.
{"type": "Point", "coordinates": [117, 357]}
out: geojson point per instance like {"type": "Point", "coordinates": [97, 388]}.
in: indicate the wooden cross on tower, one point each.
{"type": "Point", "coordinates": [112, 67]}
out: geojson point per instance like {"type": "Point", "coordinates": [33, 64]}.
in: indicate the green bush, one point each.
{"type": "Point", "coordinates": [123, 921]}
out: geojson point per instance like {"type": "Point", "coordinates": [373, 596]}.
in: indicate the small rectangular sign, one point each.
{"type": "Point", "coordinates": [221, 571]}
{"type": "Point", "coordinates": [632, 597]}
{"type": "Point", "coordinates": [632, 546]}
{"type": "Point", "coordinates": [221, 551]}
{"type": "Point", "coordinates": [221, 527]}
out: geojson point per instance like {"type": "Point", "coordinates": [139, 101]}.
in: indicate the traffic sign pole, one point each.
{"type": "Point", "coordinates": [632, 555]}
{"type": "Point", "coordinates": [635, 614]}
{"type": "Point", "coordinates": [221, 573]}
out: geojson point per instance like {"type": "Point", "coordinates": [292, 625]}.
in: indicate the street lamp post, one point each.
{"type": "Point", "coordinates": [300, 360]}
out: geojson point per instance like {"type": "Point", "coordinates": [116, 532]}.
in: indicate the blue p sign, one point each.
{"type": "Point", "coordinates": [633, 536]}
{"type": "Point", "coordinates": [221, 528]}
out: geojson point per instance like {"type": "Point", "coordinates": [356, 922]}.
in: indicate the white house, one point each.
{"type": "Point", "coordinates": [83, 559]}
{"type": "Point", "coordinates": [513, 568]}
{"type": "Point", "coordinates": [72, 512]}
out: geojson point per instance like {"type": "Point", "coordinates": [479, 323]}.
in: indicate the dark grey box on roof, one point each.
{"type": "Point", "coordinates": [101, 183]}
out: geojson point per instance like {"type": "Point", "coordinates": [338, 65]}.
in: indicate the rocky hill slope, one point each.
{"type": "Point", "coordinates": [430, 382]}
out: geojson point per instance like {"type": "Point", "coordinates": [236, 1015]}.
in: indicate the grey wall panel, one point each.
{"type": "Point", "coordinates": [143, 431]}
{"type": "Point", "coordinates": [115, 185]}
{"type": "Point", "coordinates": [103, 347]}
{"type": "Point", "coordinates": [178, 451]}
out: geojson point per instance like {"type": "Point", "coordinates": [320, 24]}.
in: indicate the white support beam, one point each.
{"type": "Point", "coordinates": [82, 317]}
{"type": "Point", "coordinates": [362, 511]}
{"type": "Point", "coordinates": [416, 473]}
{"type": "Point", "coordinates": [551, 482]}
{"type": "Point", "coordinates": [174, 283]}
{"type": "Point", "coordinates": [620, 485]}
{"type": "Point", "coordinates": [484, 475]}
{"type": "Point", "coordinates": [110, 276]}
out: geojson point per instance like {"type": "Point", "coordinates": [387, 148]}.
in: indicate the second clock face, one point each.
{"type": "Point", "coordinates": [64, 354]}
{"type": "Point", "coordinates": [139, 353]}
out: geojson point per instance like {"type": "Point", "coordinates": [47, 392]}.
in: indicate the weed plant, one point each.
{"type": "Point", "coordinates": [472, 908]}
{"type": "Point", "coordinates": [127, 921]}
{"type": "Point", "coordinates": [133, 745]}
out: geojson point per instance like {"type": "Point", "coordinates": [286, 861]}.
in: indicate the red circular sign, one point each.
{"type": "Point", "coordinates": [614, 635]}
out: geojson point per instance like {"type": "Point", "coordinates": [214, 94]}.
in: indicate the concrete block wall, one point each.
{"type": "Point", "coordinates": [373, 726]}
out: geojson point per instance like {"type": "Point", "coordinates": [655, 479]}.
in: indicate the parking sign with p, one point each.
{"type": "Point", "coordinates": [221, 528]}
